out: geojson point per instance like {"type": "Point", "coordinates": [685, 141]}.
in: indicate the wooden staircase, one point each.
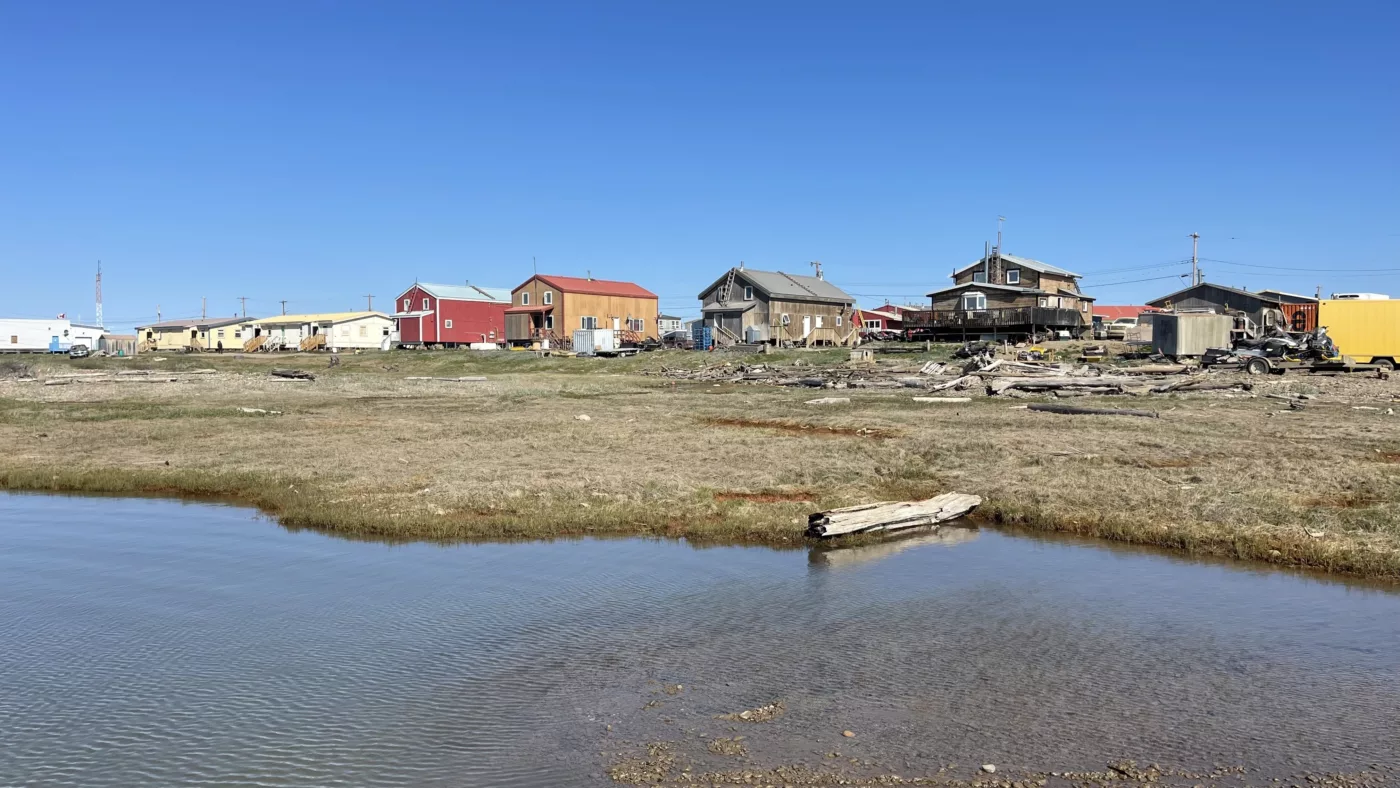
{"type": "Point", "coordinates": [255, 344]}
{"type": "Point", "coordinates": [313, 342]}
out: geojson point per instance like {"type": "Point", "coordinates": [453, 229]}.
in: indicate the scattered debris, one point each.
{"type": "Point", "coordinates": [848, 734]}
{"type": "Point", "coordinates": [891, 515]}
{"type": "Point", "coordinates": [583, 417]}
{"type": "Point", "coordinates": [943, 399]}
{"type": "Point", "coordinates": [767, 713]}
{"type": "Point", "coordinates": [989, 768]}
{"type": "Point", "coordinates": [260, 412]}
{"type": "Point", "coordinates": [830, 401]}
{"type": "Point", "coordinates": [292, 374]}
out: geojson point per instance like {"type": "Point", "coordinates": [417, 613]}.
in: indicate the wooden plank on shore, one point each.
{"type": "Point", "coordinates": [1071, 410]}
{"type": "Point", "coordinates": [891, 515]}
{"type": "Point", "coordinates": [943, 399]}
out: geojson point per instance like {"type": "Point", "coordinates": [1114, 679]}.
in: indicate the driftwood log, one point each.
{"type": "Point", "coordinates": [1071, 410]}
{"type": "Point", "coordinates": [293, 374]}
{"type": "Point", "coordinates": [891, 515]}
{"type": "Point", "coordinates": [1201, 384]}
{"type": "Point", "coordinates": [469, 379]}
{"type": "Point", "coordinates": [1102, 384]}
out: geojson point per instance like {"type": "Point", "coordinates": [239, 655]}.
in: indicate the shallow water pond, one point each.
{"type": "Point", "coordinates": [158, 643]}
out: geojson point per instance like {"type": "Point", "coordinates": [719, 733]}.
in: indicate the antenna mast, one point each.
{"type": "Point", "coordinates": [99, 295]}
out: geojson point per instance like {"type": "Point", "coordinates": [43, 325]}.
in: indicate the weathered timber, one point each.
{"type": "Point", "coordinates": [942, 399]}
{"type": "Point", "coordinates": [891, 515]}
{"type": "Point", "coordinates": [1000, 385]}
{"type": "Point", "coordinates": [830, 401]}
{"type": "Point", "coordinates": [954, 383]}
{"type": "Point", "coordinates": [1201, 384]}
{"type": "Point", "coordinates": [1071, 410]}
{"type": "Point", "coordinates": [468, 379]}
{"type": "Point", "coordinates": [292, 374]}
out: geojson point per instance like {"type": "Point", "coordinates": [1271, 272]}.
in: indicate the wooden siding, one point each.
{"type": "Point", "coordinates": [570, 309]}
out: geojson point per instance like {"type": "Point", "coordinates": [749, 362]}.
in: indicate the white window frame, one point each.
{"type": "Point", "coordinates": [978, 302]}
{"type": "Point", "coordinates": [748, 292]}
{"type": "Point", "coordinates": [873, 325]}
{"type": "Point", "coordinates": [636, 324]}
{"type": "Point", "coordinates": [425, 305]}
{"type": "Point", "coordinates": [547, 298]}
{"type": "Point", "coordinates": [838, 321]}
{"type": "Point", "coordinates": [818, 322]}
{"type": "Point", "coordinates": [549, 322]}
{"type": "Point", "coordinates": [408, 305]}
{"type": "Point", "coordinates": [1084, 306]}
{"type": "Point", "coordinates": [979, 277]}
{"type": "Point", "coordinates": [588, 322]}
{"type": "Point", "coordinates": [447, 323]}
{"type": "Point", "coordinates": [1013, 276]}
{"type": "Point", "coordinates": [525, 298]}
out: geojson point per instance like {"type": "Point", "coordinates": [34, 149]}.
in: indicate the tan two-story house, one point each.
{"type": "Point", "coordinates": [1002, 296]}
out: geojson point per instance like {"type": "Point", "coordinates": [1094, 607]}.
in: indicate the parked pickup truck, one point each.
{"type": "Point", "coordinates": [1120, 328]}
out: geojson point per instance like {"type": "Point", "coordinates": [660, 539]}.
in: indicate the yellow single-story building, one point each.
{"type": "Point", "coordinates": [191, 334]}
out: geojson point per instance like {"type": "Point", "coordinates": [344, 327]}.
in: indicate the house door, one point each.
{"type": "Point", "coordinates": [53, 344]}
{"type": "Point", "coordinates": [806, 325]}
{"type": "Point", "coordinates": [617, 323]}
{"type": "Point", "coordinates": [194, 337]}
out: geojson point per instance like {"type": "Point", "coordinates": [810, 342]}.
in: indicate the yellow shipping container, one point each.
{"type": "Point", "coordinates": [1367, 331]}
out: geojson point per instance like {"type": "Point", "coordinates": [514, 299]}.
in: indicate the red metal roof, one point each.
{"type": "Point", "coordinates": [575, 284]}
{"type": "Point", "coordinates": [1115, 312]}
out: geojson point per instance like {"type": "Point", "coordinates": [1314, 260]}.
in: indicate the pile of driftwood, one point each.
{"type": "Point", "coordinates": [125, 376]}
{"type": "Point", "coordinates": [982, 373]}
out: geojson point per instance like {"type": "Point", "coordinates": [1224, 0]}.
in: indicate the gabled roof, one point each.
{"type": "Point", "coordinates": [1171, 296]}
{"type": "Point", "coordinates": [605, 287]}
{"type": "Point", "coordinates": [789, 287]}
{"type": "Point", "coordinates": [667, 317]}
{"type": "Point", "coordinates": [320, 317]}
{"type": "Point", "coordinates": [881, 312]}
{"type": "Point", "coordinates": [464, 292]}
{"type": "Point", "coordinates": [1075, 294]}
{"type": "Point", "coordinates": [985, 286]}
{"type": "Point", "coordinates": [1023, 262]}
{"type": "Point", "coordinates": [200, 323]}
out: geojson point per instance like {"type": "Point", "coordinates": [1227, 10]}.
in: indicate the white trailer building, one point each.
{"type": "Point", "coordinates": [331, 330]}
{"type": "Point", "coordinates": [19, 335]}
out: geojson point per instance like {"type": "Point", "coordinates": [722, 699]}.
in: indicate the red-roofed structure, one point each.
{"type": "Point", "coordinates": [549, 308]}
{"type": "Point", "coordinates": [1111, 313]}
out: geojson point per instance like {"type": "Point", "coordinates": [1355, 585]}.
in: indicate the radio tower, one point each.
{"type": "Point", "coordinates": [100, 324]}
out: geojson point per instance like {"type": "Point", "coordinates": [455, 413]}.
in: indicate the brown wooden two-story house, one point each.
{"type": "Point", "coordinates": [1002, 296]}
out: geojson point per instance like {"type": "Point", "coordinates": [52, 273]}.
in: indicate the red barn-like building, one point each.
{"type": "Point", "coordinates": [451, 315]}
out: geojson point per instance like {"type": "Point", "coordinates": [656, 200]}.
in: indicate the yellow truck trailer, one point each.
{"type": "Point", "coordinates": [1365, 330]}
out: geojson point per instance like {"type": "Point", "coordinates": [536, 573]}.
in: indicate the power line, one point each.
{"type": "Point", "coordinates": [1313, 270]}
{"type": "Point", "coordinates": [1135, 281]}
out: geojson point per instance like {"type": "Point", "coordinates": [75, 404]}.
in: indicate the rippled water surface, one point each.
{"type": "Point", "coordinates": [156, 643]}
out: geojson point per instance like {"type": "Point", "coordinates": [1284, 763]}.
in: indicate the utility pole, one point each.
{"type": "Point", "coordinates": [244, 301]}
{"type": "Point", "coordinates": [1195, 273]}
{"type": "Point", "coordinates": [284, 307]}
{"type": "Point", "coordinates": [157, 313]}
{"type": "Point", "coordinates": [369, 303]}
{"type": "Point", "coordinates": [817, 266]}
{"type": "Point", "coordinates": [99, 294]}
{"type": "Point", "coordinates": [1000, 219]}
{"type": "Point", "coordinates": [203, 307]}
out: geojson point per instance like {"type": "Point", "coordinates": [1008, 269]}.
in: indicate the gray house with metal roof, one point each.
{"type": "Point", "coordinates": [756, 307]}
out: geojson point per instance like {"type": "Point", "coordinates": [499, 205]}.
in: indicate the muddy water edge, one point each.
{"type": "Point", "coordinates": [154, 642]}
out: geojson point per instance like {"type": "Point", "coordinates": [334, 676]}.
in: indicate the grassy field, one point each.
{"type": "Point", "coordinates": [364, 452]}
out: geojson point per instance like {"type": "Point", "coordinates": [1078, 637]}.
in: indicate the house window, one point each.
{"type": "Point", "coordinates": [786, 319]}
{"type": "Point", "coordinates": [549, 322]}
{"type": "Point", "coordinates": [14, 340]}
{"type": "Point", "coordinates": [524, 299]}
{"type": "Point", "coordinates": [838, 321]}
{"type": "Point", "coordinates": [364, 331]}
{"type": "Point", "coordinates": [979, 277]}
{"type": "Point", "coordinates": [237, 333]}
{"type": "Point", "coordinates": [819, 321]}
{"type": "Point", "coordinates": [1084, 307]}
{"type": "Point", "coordinates": [407, 304]}
{"type": "Point", "coordinates": [447, 324]}
{"type": "Point", "coordinates": [636, 324]}
{"type": "Point", "coordinates": [748, 293]}
{"type": "Point", "coordinates": [548, 297]}
{"type": "Point", "coordinates": [425, 305]}
{"type": "Point", "coordinates": [1013, 276]}
{"type": "Point", "coordinates": [974, 302]}
{"type": "Point", "coordinates": [873, 325]}
{"type": "Point", "coordinates": [588, 322]}
{"type": "Point", "coordinates": [1043, 302]}
{"type": "Point", "coordinates": [221, 333]}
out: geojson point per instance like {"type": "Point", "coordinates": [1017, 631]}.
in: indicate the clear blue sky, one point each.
{"type": "Point", "coordinates": [317, 151]}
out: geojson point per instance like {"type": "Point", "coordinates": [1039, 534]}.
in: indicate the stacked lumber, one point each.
{"type": "Point", "coordinates": [891, 515]}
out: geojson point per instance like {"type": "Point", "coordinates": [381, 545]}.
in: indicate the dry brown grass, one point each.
{"type": "Point", "coordinates": [363, 452]}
